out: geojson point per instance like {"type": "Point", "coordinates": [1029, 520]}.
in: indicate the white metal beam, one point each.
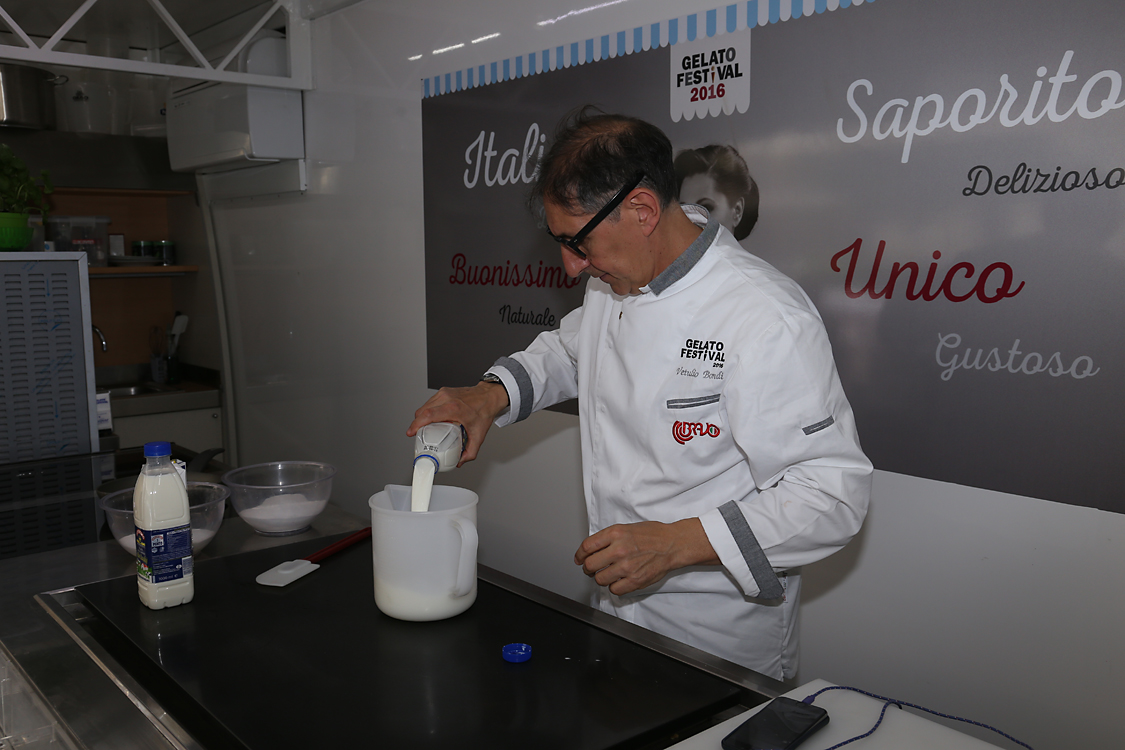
{"type": "Point", "coordinates": [298, 38]}
{"type": "Point", "coordinates": [185, 40]}
{"type": "Point", "coordinates": [15, 27]}
{"type": "Point", "coordinates": [73, 60]}
{"type": "Point", "coordinates": [250, 35]}
{"type": "Point", "coordinates": [68, 24]}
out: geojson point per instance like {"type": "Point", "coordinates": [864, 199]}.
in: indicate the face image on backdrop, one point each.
{"type": "Point", "coordinates": [716, 177]}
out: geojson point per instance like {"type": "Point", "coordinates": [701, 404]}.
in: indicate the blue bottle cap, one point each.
{"type": "Point", "coordinates": [158, 449]}
{"type": "Point", "coordinates": [517, 652]}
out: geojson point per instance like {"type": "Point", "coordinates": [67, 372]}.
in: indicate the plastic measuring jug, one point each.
{"type": "Point", "coordinates": [425, 562]}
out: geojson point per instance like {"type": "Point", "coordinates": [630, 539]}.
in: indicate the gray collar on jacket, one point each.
{"type": "Point", "coordinates": [688, 258]}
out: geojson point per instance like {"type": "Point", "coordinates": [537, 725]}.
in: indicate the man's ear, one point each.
{"type": "Point", "coordinates": [646, 208]}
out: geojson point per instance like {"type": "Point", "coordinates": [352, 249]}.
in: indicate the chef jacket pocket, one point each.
{"type": "Point", "coordinates": [698, 416]}
{"type": "Point", "coordinates": [693, 403]}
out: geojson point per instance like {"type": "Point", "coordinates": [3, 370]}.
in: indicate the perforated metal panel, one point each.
{"type": "Point", "coordinates": [48, 505]}
{"type": "Point", "coordinates": [46, 362]}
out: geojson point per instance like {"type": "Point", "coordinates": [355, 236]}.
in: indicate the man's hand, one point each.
{"type": "Point", "coordinates": [631, 556]}
{"type": "Point", "coordinates": [473, 408]}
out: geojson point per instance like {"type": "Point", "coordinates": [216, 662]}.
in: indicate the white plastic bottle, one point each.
{"type": "Point", "coordinates": [163, 535]}
{"type": "Point", "coordinates": [437, 447]}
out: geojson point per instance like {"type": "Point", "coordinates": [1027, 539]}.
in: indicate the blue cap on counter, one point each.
{"type": "Point", "coordinates": [517, 652]}
{"type": "Point", "coordinates": [158, 449]}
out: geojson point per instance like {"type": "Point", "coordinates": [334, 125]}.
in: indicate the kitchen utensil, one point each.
{"type": "Point", "coordinates": [179, 325]}
{"type": "Point", "coordinates": [206, 501]}
{"type": "Point", "coordinates": [166, 252]}
{"type": "Point", "coordinates": [287, 572]}
{"type": "Point", "coordinates": [87, 106]}
{"type": "Point", "coordinates": [196, 472]}
{"type": "Point", "coordinates": [157, 341]}
{"type": "Point", "coordinates": [27, 96]}
{"type": "Point", "coordinates": [280, 498]}
{"type": "Point", "coordinates": [425, 562]}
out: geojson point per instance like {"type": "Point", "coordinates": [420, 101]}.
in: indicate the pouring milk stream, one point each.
{"type": "Point", "coordinates": [437, 447]}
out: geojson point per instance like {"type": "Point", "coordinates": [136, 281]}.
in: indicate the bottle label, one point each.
{"type": "Point", "coordinates": [164, 554]}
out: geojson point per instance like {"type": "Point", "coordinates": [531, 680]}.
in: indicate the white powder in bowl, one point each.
{"type": "Point", "coordinates": [283, 513]}
{"type": "Point", "coordinates": [199, 539]}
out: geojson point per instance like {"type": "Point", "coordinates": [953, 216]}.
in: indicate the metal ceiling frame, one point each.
{"type": "Point", "coordinates": [298, 39]}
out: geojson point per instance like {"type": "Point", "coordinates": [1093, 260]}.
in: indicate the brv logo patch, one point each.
{"type": "Point", "coordinates": [685, 431]}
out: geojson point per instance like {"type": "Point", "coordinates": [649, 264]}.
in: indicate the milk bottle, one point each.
{"type": "Point", "coordinates": [163, 532]}
{"type": "Point", "coordinates": [437, 447]}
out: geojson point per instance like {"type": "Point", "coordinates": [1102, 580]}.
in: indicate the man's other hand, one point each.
{"type": "Point", "coordinates": [631, 556]}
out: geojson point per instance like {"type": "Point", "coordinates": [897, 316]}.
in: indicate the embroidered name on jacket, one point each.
{"type": "Point", "coordinates": [685, 431]}
{"type": "Point", "coordinates": [709, 351]}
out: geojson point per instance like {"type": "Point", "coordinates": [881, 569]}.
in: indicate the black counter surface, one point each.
{"type": "Point", "coordinates": [316, 665]}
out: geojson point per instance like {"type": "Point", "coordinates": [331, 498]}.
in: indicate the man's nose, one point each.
{"type": "Point", "coordinates": [573, 265]}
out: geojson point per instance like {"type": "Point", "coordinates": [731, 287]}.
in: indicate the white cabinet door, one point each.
{"type": "Point", "coordinates": [195, 429]}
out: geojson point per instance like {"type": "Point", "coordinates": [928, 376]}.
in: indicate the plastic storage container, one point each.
{"type": "Point", "coordinates": [89, 234]}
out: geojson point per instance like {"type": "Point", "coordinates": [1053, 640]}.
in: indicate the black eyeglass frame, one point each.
{"type": "Point", "coordinates": [573, 242]}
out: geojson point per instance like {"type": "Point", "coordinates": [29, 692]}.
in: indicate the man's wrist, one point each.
{"type": "Point", "coordinates": [502, 402]}
{"type": "Point", "coordinates": [694, 547]}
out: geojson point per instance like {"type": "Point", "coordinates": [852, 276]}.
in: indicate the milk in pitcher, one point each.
{"type": "Point", "coordinates": [424, 562]}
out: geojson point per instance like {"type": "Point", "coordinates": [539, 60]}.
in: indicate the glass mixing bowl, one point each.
{"type": "Point", "coordinates": [207, 503]}
{"type": "Point", "coordinates": [280, 498]}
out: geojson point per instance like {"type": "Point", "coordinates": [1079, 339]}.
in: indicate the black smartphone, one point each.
{"type": "Point", "coordinates": [782, 725]}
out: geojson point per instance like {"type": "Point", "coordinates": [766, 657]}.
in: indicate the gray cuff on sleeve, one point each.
{"type": "Point", "coordinates": [768, 584]}
{"type": "Point", "coordinates": [523, 380]}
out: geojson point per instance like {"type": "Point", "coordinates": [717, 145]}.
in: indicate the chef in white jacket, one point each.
{"type": "Point", "coordinates": [719, 453]}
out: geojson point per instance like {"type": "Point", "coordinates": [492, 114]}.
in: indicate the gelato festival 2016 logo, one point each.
{"type": "Point", "coordinates": [710, 76]}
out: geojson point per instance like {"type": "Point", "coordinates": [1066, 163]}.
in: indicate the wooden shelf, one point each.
{"type": "Point", "coordinates": [142, 271]}
{"type": "Point", "coordinates": [136, 214]}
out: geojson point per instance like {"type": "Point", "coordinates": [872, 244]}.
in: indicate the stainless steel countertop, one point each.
{"type": "Point", "coordinates": [83, 701]}
{"type": "Point", "coordinates": [87, 704]}
{"type": "Point", "coordinates": [190, 396]}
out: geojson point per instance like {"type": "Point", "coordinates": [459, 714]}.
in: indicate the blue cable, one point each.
{"type": "Point", "coordinates": [891, 701]}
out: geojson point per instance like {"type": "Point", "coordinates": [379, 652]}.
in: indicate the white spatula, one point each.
{"type": "Point", "coordinates": [179, 325]}
{"type": "Point", "coordinates": [287, 572]}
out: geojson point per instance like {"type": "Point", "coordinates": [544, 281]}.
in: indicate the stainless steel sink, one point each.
{"type": "Point", "coordinates": [141, 389]}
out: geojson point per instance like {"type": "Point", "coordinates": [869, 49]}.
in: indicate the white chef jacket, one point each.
{"type": "Point", "coordinates": [711, 394]}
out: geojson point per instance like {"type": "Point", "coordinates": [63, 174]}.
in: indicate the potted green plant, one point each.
{"type": "Point", "coordinates": [19, 195]}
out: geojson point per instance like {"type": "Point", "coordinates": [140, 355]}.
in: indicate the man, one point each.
{"type": "Point", "coordinates": [719, 453]}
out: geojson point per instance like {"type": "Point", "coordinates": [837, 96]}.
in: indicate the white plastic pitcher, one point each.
{"type": "Point", "coordinates": [425, 562]}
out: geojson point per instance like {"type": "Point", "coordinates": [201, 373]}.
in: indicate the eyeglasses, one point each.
{"type": "Point", "coordinates": [574, 242]}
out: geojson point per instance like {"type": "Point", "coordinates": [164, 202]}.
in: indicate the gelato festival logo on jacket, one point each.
{"type": "Point", "coordinates": [685, 431]}
{"type": "Point", "coordinates": [709, 351]}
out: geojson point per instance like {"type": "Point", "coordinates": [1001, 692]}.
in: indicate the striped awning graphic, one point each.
{"type": "Point", "coordinates": [724, 20]}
